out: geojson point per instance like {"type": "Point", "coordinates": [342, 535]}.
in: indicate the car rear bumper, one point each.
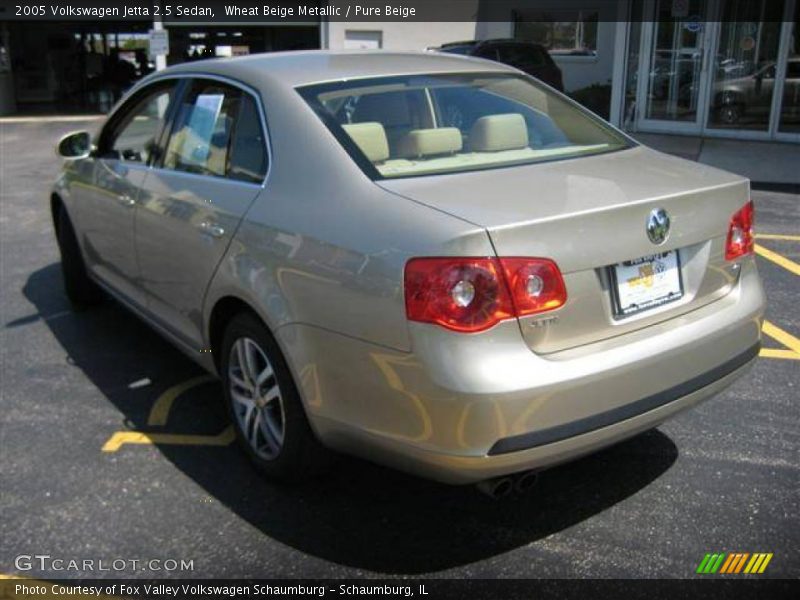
{"type": "Point", "coordinates": [463, 412]}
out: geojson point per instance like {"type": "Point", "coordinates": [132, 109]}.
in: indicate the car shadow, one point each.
{"type": "Point", "coordinates": [359, 515]}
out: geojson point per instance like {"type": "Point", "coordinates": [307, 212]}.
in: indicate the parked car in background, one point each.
{"type": "Point", "coordinates": [463, 302]}
{"type": "Point", "coordinates": [752, 94]}
{"type": "Point", "coordinates": [528, 57]}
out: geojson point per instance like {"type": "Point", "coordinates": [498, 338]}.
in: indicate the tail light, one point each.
{"type": "Point", "coordinates": [740, 233]}
{"type": "Point", "coordinates": [474, 294]}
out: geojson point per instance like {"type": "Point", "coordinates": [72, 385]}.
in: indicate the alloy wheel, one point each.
{"type": "Point", "coordinates": [256, 398]}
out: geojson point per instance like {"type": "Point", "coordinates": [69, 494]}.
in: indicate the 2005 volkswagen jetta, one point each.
{"type": "Point", "coordinates": [434, 262]}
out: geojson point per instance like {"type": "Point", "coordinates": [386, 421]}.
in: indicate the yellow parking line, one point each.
{"type": "Point", "coordinates": [119, 438]}
{"type": "Point", "coordinates": [782, 261]}
{"type": "Point", "coordinates": [784, 337]}
{"type": "Point", "coordinates": [778, 236]}
{"type": "Point", "coordinates": [161, 407]}
{"type": "Point", "coordinates": [779, 353]}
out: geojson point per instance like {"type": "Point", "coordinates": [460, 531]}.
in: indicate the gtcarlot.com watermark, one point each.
{"type": "Point", "coordinates": [47, 562]}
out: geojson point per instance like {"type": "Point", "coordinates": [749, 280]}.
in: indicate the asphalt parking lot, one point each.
{"type": "Point", "coordinates": [115, 446]}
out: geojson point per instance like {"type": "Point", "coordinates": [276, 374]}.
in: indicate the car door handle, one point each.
{"type": "Point", "coordinates": [211, 229]}
{"type": "Point", "coordinates": [126, 200]}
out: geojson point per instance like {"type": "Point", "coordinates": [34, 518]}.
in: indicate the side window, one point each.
{"type": "Point", "coordinates": [201, 137]}
{"type": "Point", "coordinates": [133, 137]}
{"type": "Point", "coordinates": [248, 160]}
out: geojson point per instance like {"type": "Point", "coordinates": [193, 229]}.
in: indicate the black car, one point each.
{"type": "Point", "coordinates": [531, 58]}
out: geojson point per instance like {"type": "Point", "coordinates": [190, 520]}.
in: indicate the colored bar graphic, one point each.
{"type": "Point", "coordinates": [718, 563]}
{"type": "Point", "coordinates": [727, 564]}
{"type": "Point", "coordinates": [734, 563]}
{"type": "Point", "coordinates": [702, 566]}
{"type": "Point", "coordinates": [730, 564]}
{"type": "Point", "coordinates": [754, 563]}
{"type": "Point", "coordinates": [740, 564]}
{"type": "Point", "coordinates": [765, 563]}
{"type": "Point", "coordinates": [711, 563]}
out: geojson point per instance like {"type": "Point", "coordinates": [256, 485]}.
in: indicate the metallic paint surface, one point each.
{"type": "Point", "coordinates": [318, 253]}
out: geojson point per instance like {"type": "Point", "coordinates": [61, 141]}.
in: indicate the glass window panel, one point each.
{"type": "Point", "coordinates": [676, 62]}
{"type": "Point", "coordinates": [248, 157]}
{"type": "Point", "coordinates": [744, 67]}
{"type": "Point", "coordinates": [632, 66]}
{"type": "Point", "coordinates": [446, 123]}
{"type": "Point", "coordinates": [200, 139]}
{"type": "Point", "coordinates": [134, 137]}
{"type": "Point", "coordinates": [790, 103]}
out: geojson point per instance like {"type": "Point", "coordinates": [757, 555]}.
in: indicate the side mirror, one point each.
{"type": "Point", "coordinates": [75, 145]}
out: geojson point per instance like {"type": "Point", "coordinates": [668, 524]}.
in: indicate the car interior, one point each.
{"type": "Point", "coordinates": [433, 129]}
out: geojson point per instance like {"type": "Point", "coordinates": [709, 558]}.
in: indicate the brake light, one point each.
{"type": "Point", "coordinates": [474, 294]}
{"type": "Point", "coordinates": [740, 239]}
{"type": "Point", "coordinates": [536, 284]}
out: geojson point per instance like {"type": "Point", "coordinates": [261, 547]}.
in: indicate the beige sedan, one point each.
{"type": "Point", "coordinates": [433, 262]}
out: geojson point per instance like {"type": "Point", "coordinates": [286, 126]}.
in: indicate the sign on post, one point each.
{"type": "Point", "coordinates": [159, 42]}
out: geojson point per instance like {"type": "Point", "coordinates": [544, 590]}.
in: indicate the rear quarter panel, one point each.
{"type": "Point", "coordinates": [322, 245]}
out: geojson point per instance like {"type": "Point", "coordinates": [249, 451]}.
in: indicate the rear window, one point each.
{"type": "Point", "coordinates": [447, 123]}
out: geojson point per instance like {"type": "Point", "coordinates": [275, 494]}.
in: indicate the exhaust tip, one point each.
{"type": "Point", "coordinates": [497, 488]}
{"type": "Point", "coordinates": [525, 482]}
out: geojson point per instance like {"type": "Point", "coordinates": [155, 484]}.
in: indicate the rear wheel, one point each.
{"type": "Point", "coordinates": [81, 290]}
{"type": "Point", "coordinates": [264, 404]}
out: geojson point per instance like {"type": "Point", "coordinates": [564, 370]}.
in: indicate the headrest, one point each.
{"type": "Point", "coordinates": [493, 133]}
{"type": "Point", "coordinates": [370, 138]}
{"type": "Point", "coordinates": [427, 142]}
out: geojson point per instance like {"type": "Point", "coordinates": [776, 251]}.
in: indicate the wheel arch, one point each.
{"type": "Point", "coordinates": [56, 202]}
{"type": "Point", "coordinates": [225, 309]}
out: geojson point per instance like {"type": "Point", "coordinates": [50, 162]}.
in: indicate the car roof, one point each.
{"type": "Point", "coordinates": [304, 67]}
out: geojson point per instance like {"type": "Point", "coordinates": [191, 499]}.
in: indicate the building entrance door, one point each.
{"type": "Point", "coordinates": [674, 68]}
{"type": "Point", "coordinates": [720, 68]}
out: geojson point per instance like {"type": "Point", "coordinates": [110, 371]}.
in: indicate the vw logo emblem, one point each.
{"type": "Point", "coordinates": [658, 226]}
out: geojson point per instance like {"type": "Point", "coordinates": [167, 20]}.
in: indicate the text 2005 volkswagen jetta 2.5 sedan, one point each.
{"type": "Point", "coordinates": [434, 262]}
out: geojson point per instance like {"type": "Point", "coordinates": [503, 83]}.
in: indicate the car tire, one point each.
{"type": "Point", "coordinates": [268, 415]}
{"type": "Point", "coordinates": [81, 291]}
{"type": "Point", "coordinates": [729, 114]}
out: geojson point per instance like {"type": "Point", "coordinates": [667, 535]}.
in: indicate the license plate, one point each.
{"type": "Point", "coordinates": [646, 282]}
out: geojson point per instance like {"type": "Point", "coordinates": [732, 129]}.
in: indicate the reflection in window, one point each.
{"type": "Point", "coordinates": [135, 140]}
{"type": "Point", "coordinates": [200, 139]}
{"type": "Point", "coordinates": [562, 32]}
{"type": "Point", "coordinates": [790, 103]}
{"type": "Point", "coordinates": [632, 66]}
{"type": "Point", "coordinates": [744, 67]}
{"type": "Point", "coordinates": [248, 158]}
{"type": "Point", "coordinates": [447, 123]}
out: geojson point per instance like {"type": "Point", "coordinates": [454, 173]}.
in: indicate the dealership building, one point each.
{"type": "Point", "coordinates": [706, 68]}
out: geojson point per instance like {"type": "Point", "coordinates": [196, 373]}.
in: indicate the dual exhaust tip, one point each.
{"type": "Point", "coordinates": [501, 487]}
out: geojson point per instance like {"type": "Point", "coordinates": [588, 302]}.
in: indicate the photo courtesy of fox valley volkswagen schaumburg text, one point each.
{"type": "Point", "coordinates": [283, 285]}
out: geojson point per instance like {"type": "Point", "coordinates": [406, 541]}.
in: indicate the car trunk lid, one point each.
{"type": "Point", "coordinates": [588, 214]}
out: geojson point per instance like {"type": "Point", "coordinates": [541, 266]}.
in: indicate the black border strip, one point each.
{"type": "Point", "coordinates": [533, 439]}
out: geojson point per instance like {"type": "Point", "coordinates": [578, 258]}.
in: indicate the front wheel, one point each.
{"type": "Point", "coordinates": [264, 404]}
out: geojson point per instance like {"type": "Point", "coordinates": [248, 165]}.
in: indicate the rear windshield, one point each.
{"type": "Point", "coordinates": [448, 123]}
